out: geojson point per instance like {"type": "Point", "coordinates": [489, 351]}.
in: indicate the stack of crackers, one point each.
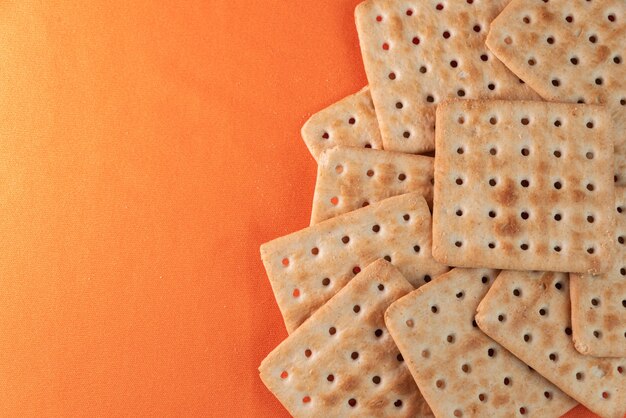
{"type": "Point", "coordinates": [490, 279]}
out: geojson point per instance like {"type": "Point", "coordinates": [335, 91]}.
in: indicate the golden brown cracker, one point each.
{"type": "Point", "coordinates": [529, 314]}
{"type": "Point", "coordinates": [308, 267]}
{"type": "Point", "coordinates": [523, 186]}
{"type": "Point", "coordinates": [350, 122]}
{"type": "Point", "coordinates": [360, 177]}
{"type": "Point", "coordinates": [569, 50]}
{"type": "Point", "coordinates": [419, 53]}
{"type": "Point", "coordinates": [342, 361]}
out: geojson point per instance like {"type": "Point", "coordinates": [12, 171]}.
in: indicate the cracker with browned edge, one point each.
{"type": "Point", "coordinates": [523, 186]}
{"type": "Point", "coordinates": [460, 371]}
{"type": "Point", "coordinates": [350, 178]}
{"type": "Point", "coordinates": [419, 53]}
{"type": "Point", "coordinates": [529, 314]}
{"type": "Point", "coordinates": [569, 50]}
{"type": "Point", "coordinates": [349, 122]}
{"type": "Point", "coordinates": [342, 362]}
{"type": "Point", "coordinates": [308, 267]}
{"type": "Point", "coordinates": [599, 302]}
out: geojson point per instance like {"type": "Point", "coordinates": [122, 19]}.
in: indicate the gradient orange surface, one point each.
{"type": "Point", "coordinates": [147, 149]}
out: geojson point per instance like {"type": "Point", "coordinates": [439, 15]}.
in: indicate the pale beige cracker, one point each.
{"type": "Point", "coordinates": [419, 53]}
{"type": "Point", "coordinates": [460, 371]}
{"type": "Point", "coordinates": [350, 122]}
{"type": "Point", "coordinates": [351, 178]}
{"type": "Point", "coordinates": [523, 186]}
{"type": "Point", "coordinates": [599, 302]}
{"type": "Point", "coordinates": [308, 267]}
{"type": "Point", "coordinates": [342, 361]}
{"type": "Point", "coordinates": [529, 314]}
{"type": "Point", "coordinates": [569, 50]}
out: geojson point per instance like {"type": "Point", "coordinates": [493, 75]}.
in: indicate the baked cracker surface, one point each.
{"type": "Point", "coordinates": [351, 178]}
{"type": "Point", "coordinates": [523, 186]}
{"type": "Point", "coordinates": [461, 371]}
{"type": "Point", "coordinates": [342, 361]}
{"type": "Point", "coordinates": [569, 50]}
{"type": "Point", "coordinates": [308, 267]}
{"type": "Point", "coordinates": [599, 302]}
{"type": "Point", "coordinates": [419, 53]}
{"type": "Point", "coordinates": [529, 314]}
{"type": "Point", "coordinates": [349, 122]}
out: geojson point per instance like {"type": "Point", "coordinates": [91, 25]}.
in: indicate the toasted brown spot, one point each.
{"type": "Point", "coordinates": [463, 18]}
{"type": "Point", "coordinates": [507, 196]}
{"type": "Point", "coordinates": [565, 369]}
{"type": "Point", "coordinates": [360, 287]}
{"type": "Point", "coordinates": [395, 25]}
{"type": "Point", "coordinates": [384, 172]}
{"type": "Point", "coordinates": [541, 248]}
{"type": "Point", "coordinates": [611, 321]}
{"type": "Point", "coordinates": [473, 410]}
{"type": "Point", "coordinates": [546, 15]}
{"type": "Point", "coordinates": [348, 383]}
{"type": "Point", "coordinates": [499, 400]}
{"type": "Point", "coordinates": [578, 196]}
{"type": "Point", "coordinates": [427, 374]}
{"type": "Point", "coordinates": [377, 403]}
{"type": "Point", "coordinates": [602, 53]}
{"type": "Point", "coordinates": [509, 227]}
{"type": "Point", "coordinates": [330, 399]}
{"type": "Point", "coordinates": [507, 247]}
{"type": "Point", "coordinates": [543, 167]}
{"type": "Point", "coordinates": [470, 344]}
{"type": "Point", "coordinates": [364, 107]}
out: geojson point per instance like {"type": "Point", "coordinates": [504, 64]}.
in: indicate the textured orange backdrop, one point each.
{"type": "Point", "coordinates": [146, 150]}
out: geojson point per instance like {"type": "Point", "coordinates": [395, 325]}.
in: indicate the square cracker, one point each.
{"type": "Point", "coordinates": [529, 314]}
{"type": "Point", "coordinates": [308, 267]}
{"type": "Point", "coordinates": [341, 361]}
{"type": "Point", "coordinates": [350, 122]}
{"type": "Point", "coordinates": [460, 371]}
{"type": "Point", "coordinates": [419, 53]}
{"type": "Point", "coordinates": [350, 178]}
{"type": "Point", "coordinates": [599, 302]}
{"type": "Point", "coordinates": [570, 51]}
{"type": "Point", "coordinates": [523, 186]}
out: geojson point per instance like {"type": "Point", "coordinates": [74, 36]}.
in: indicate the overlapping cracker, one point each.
{"type": "Point", "coordinates": [599, 302]}
{"type": "Point", "coordinates": [349, 122]}
{"type": "Point", "coordinates": [308, 267]}
{"type": "Point", "coordinates": [342, 362]}
{"type": "Point", "coordinates": [529, 314]}
{"type": "Point", "coordinates": [419, 53]}
{"type": "Point", "coordinates": [570, 51]}
{"type": "Point", "coordinates": [523, 186]}
{"type": "Point", "coordinates": [350, 178]}
{"type": "Point", "coordinates": [460, 371]}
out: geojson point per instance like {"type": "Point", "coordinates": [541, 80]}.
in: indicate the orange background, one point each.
{"type": "Point", "coordinates": [146, 151]}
